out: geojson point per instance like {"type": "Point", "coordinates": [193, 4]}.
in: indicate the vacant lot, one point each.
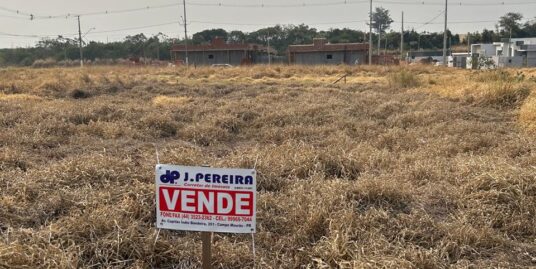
{"type": "Point", "coordinates": [414, 167]}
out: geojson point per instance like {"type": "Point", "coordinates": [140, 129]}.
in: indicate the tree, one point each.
{"type": "Point", "coordinates": [343, 35]}
{"type": "Point", "coordinates": [510, 23]}
{"type": "Point", "coordinates": [488, 36]}
{"type": "Point", "coordinates": [236, 36]}
{"type": "Point", "coordinates": [206, 36]}
{"type": "Point", "coordinates": [136, 45]}
{"type": "Point", "coordinates": [277, 35]}
{"type": "Point", "coordinates": [381, 21]}
{"type": "Point", "coordinates": [300, 34]}
{"type": "Point", "coordinates": [529, 28]}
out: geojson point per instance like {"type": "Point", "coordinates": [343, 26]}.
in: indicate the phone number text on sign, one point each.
{"type": "Point", "coordinates": [205, 199]}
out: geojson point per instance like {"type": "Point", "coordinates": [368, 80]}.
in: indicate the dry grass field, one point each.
{"type": "Point", "coordinates": [402, 167]}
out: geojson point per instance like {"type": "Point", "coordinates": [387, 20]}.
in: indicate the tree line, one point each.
{"type": "Point", "coordinates": [63, 49]}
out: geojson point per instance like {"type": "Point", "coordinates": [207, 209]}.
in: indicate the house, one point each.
{"type": "Point", "coordinates": [322, 52]}
{"type": "Point", "coordinates": [530, 51]}
{"type": "Point", "coordinates": [219, 52]}
{"type": "Point", "coordinates": [481, 56]}
{"type": "Point", "coordinates": [526, 48]}
{"type": "Point", "coordinates": [515, 52]}
{"type": "Point", "coordinates": [458, 59]}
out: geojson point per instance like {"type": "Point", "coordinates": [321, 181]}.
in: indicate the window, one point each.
{"type": "Point", "coordinates": [211, 56]}
{"type": "Point", "coordinates": [329, 56]}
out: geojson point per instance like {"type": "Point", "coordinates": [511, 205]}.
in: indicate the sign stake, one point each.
{"type": "Point", "coordinates": [206, 258]}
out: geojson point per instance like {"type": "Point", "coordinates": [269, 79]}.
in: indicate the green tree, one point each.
{"type": "Point", "coordinates": [136, 45]}
{"type": "Point", "coordinates": [236, 36]}
{"type": "Point", "coordinates": [488, 36]}
{"type": "Point", "coordinates": [343, 35]}
{"type": "Point", "coordinates": [381, 22]}
{"type": "Point", "coordinates": [529, 28]}
{"type": "Point", "coordinates": [510, 24]}
{"type": "Point", "coordinates": [206, 36]}
{"type": "Point", "coordinates": [277, 35]}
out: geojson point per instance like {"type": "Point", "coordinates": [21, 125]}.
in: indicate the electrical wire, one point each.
{"type": "Point", "coordinates": [230, 23]}
{"type": "Point", "coordinates": [430, 21]}
{"type": "Point", "coordinates": [33, 16]}
{"type": "Point", "coordinates": [136, 28]}
{"type": "Point", "coordinates": [262, 5]}
{"type": "Point", "coordinates": [26, 35]}
{"type": "Point", "coordinates": [452, 3]}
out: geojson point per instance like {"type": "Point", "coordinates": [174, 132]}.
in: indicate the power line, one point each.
{"type": "Point", "coordinates": [18, 12]}
{"type": "Point", "coordinates": [12, 17]}
{"type": "Point", "coordinates": [232, 24]}
{"type": "Point", "coordinates": [452, 22]}
{"type": "Point", "coordinates": [136, 28]}
{"type": "Point", "coordinates": [26, 35]}
{"type": "Point", "coordinates": [422, 24]}
{"type": "Point", "coordinates": [291, 5]}
{"type": "Point", "coordinates": [430, 21]}
{"type": "Point", "coordinates": [33, 16]}
{"type": "Point", "coordinates": [424, 3]}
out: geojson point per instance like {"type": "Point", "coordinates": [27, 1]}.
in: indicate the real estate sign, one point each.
{"type": "Point", "coordinates": [205, 199]}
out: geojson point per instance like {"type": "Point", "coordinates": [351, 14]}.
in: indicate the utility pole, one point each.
{"type": "Point", "coordinates": [379, 38]}
{"type": "Point", "coordinates": [268, 49]}
{"type": "Point", "coordinates": [158, 49]}
{"type": "Point", "coordinates": [370, 36]}
{"type": "Point", "coordinates": [510, 44]}
{"type": "Point", "coordinates": [185, 34]}
{"type": "Point", "coordinates": [445, 37]}
{"type": "Point", "coordinates": [80, 43]}
{"type": "Point", "coordinates": [468, 41]}
{"type": "Point", "coordinates": [402, 38]}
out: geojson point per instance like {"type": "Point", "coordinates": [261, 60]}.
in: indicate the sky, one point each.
{"type": "Point", "coordinates": [152, 17]}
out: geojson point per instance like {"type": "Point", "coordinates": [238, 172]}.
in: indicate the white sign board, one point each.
{"type": "Point", "coordinates": [205, 199]}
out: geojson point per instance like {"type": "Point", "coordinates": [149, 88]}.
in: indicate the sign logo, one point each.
{"type": "Point", "coordinates": [170, 177]}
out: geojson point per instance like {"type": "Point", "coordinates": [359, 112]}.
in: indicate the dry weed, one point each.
{"type": "Point", "coordinates": [412, 167]}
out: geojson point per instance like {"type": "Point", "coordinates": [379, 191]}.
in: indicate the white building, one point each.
{"type": "Point", "coordinates": [458, 59]}
{"type": "Point", "coordinates": [515, 52]}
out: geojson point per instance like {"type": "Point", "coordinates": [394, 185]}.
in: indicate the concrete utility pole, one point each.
{"type": "Point", "coordinates": [185, 34]}
{"type": "Point", "coordinates": [80, 43]}
{"type": "Point", "coordinates": [402, 38]}
{"type": "Point", "coordinates": [268, 49]}
{"type": "Point", "coordinates": [445, 37]}
{"type": "Point", "coordinates": [370, 36]}
{"type": "Point", "coordinates": [468, 41]}
{"type": "Point", "coordinates": [510, 44]}
{"type": "Point", "coordinates": [379, 38]}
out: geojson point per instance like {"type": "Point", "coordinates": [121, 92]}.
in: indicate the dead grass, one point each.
{"type": "Point", "coordinates": [168, 101]}
{"type": "Point", "coordinates": [527, 114]}
{"type": "Point", "coordinates": [403, 79]}
{"type": "Point", "coordinates": [412, 167]}
{"type": "Point", "coordinates": [19, 97]}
